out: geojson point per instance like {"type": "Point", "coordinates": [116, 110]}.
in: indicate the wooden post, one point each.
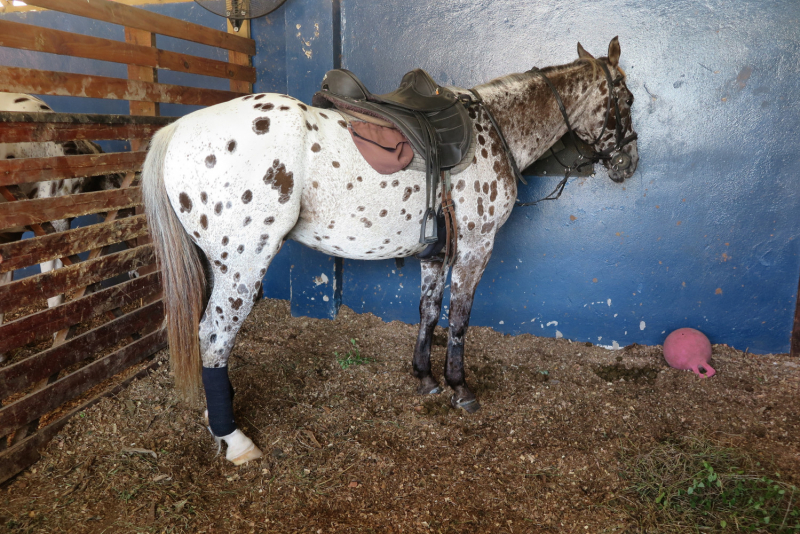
{"type": "Point", "coordinates": [152, 109]}
{"type": "Point", "coordinates": [143, 74]}
{"type": "Point", "coordinates": [240, 58]}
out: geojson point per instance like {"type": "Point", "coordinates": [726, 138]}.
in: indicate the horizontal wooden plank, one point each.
{"type": "Point", "coordinates": [83, 118]}
{"type": "Point", "coordinates": [46, 82]}
{"type": "Point", "coordinates": [36, 38]}
{"type": "Point", "coordinates": [26, 452]}
{"type": "Point", "coordinates": [19, 254]}
{"type": "Point", "coordinates": [43, 324]}
{"type": "Point", "coordinates": [39, 132]}
{"type": "Point", "coordinates": [23, 374]}
{"type": "Point", "coordinates": [28, 170]}
{"type": "Point", "coordinates": [35, 288]}
{"type": "Point", "coordinates": [152, 22]}
{"type": "Point", "coordinates": [67, 388]}
{"type": "Point", "coordinates": [39, 210]}
{"type": "Point", "coordinates": [47, 399]}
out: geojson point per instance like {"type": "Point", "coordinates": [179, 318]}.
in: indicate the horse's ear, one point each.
{"type": "Point", "coordinates": [613, 52]}
{"type": "Point", "coordinates": [583, 54]}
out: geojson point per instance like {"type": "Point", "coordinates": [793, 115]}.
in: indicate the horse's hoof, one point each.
{"type": "Point", "coordinates": [428, 386]}
{"type": "Point", "coordinates": [469, 406]}
{"type": "Point", "coordinates": [241, 449]}
{"type": "Point", "coordinates": [253, 453]}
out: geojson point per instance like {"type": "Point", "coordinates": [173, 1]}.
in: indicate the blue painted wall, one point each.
{"type": "Point", "coordinates": [705, 234]}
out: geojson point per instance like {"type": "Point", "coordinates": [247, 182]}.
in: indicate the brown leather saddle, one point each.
{"type": "Point", "coordinates": [432, 118]}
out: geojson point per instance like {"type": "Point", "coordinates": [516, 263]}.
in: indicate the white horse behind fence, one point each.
{"type": "Point", "coordinates": [20, 102]}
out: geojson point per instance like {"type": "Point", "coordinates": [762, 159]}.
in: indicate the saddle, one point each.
{"type": "Point", "coordinates": [431, 117]}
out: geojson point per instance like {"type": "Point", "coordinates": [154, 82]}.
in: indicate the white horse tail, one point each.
{"type": "Point", "coordinates": [182, 274]}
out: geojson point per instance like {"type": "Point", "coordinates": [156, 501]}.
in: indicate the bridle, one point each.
{"type": "Point", "coordinates": [619, 160]}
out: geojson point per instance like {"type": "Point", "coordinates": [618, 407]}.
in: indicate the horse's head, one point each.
{"type": "Point", "coordinates": [608, 126]}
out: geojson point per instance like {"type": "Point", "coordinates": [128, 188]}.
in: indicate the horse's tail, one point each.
{"type": "Point", "coordinates": [182, 274]}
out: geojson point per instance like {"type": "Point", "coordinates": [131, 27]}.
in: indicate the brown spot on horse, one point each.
{"type": "Point", "coordinates": [211, 161]}
{"type": "Point", "coordinates": [315, 147]}
{"type": "Point", "coordinates": [247, 197]}
{"type": "Point", "coordinates": [186, 203]}
{"type": "Point", "coordinates": [261, 125]}
{"type": "Point", "coordinates": [281, 180]}
{"type": "Point", "coordinates": [204, 221]}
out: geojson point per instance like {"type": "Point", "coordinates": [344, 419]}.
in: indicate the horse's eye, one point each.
{"type": "Point", "coordinates": [629, 101]}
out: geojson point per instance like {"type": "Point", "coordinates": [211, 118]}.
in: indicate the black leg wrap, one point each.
{"type": "Point", "coordinates": [219, 399]}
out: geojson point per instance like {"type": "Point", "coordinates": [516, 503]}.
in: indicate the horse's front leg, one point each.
{"type": "Point", "coordinates": [430, 306]}
{"type": "Point", "coordinates": [466, 275]}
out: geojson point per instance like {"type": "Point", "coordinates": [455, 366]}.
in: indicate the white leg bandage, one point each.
{"type": "Point", "coordinates": [240, 448]}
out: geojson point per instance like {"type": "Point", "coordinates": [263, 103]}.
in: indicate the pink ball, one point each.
{"type": "Point", "coordinates": [687, 348]}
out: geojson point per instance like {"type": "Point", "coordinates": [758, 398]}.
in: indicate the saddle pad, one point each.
{"type": "Point", "coordinates": [386, 149]}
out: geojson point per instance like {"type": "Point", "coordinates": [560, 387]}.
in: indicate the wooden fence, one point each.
{"type": "Point", "coordinates": [59, 361]}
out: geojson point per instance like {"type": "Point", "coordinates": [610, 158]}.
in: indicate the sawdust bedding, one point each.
{"type": "Point", "coordinates": [354, 450]}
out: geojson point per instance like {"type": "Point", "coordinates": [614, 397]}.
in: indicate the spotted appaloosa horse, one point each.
{"type": "Point", "coordinates": [55, 188]}
{"type": "Point", "coordinates": [224, 186]}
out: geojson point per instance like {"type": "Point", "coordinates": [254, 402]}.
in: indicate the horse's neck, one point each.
{"type": "Point", "coordinates": [527, 113]}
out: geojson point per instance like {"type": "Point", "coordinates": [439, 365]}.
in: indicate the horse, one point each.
{"type": "Point", "coordinates": [224, 186]}
{"type": "Point", "coordinates": [20, 102]}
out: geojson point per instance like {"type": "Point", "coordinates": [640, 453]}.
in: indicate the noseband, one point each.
{"type": "Point", "coordinates": [619, 160]}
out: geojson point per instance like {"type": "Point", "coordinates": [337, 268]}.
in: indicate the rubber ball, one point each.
{"type": "Point", "coordinates": [687, 348]}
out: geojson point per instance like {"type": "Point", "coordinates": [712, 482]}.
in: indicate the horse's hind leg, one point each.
{"type": "Point", "coordinates": [237, 286]}
{"type": "Point", "coordinates": [432, 283]}
{"type": "Point", "coordinates": [466, 275]}
{"type": "Point", "coordinates": [46, 267]}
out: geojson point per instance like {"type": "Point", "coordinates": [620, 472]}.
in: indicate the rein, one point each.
{"type": "Point", "coordinates": [619, 159]}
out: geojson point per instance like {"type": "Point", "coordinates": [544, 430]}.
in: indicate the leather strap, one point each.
{"type": "Point", "coordinates": [450, 221]}
{"type": "Point", "coordinates": [431, 180]}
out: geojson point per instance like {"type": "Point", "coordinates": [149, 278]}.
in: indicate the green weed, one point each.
{"type": "Point", "coordinates": [694, 485]}
{"type": "Point", "coordinates": [353, 357]}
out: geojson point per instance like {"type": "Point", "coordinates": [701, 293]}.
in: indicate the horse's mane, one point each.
{"type": "Point", "coordinates": [511, 79]}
